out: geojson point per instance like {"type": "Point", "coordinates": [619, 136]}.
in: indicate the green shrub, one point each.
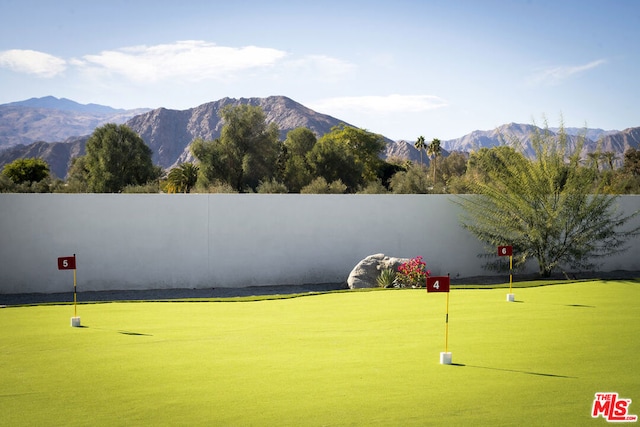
{"type": "Point", "coordinates": [272, 187]}
{"type": "Point", "coordinates": [387, 278]}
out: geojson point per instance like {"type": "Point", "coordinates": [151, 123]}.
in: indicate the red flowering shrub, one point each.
{"type": "Point", "coordinates": [413, 273]}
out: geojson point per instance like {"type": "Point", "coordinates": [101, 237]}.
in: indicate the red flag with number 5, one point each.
{"type": "Point", "coordinates": [67, 263]}
{"type": "Point", "coordinates": [438, 284]}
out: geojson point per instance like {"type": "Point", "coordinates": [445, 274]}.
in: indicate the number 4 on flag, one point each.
{"type": "Point", "coordinates": [438, 284]}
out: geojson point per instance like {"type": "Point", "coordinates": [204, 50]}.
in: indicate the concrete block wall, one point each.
{"type": "Point", "coordinates": [159, 241]}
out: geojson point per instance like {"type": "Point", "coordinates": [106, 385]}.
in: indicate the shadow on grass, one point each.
{"type": "Point", "coordinates": [137, 334]}
{"type": "Point", "coordinates": [540, 374]}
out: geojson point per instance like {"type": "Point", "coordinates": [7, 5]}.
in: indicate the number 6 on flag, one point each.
{"type": "Point", "coordinates": [438, 284]}
{"type": "Point", "coordinates": [505, 250]}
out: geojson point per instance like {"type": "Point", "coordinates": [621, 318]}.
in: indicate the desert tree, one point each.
{"type": "Point", "coordinates": [297, 170]}
{"type": "Point", "coordinates": [545, 207]}
{"type": "Point", "coordinates": [117, 157]}
{"type": "Point", "coordinates": [413, 180]}
{"type": "Point", "coordinates": [245, 154]}
{"type": "Point", "coordinates": [348, 154]}
{"type": "Point", "coordinates": [453, 166]}
{"type": "Point", "coordinates": [27, 175]}
{"type": "Point", "coordinates": [26, 170]}
{"type": "Point", "coordinates": [627, 178]}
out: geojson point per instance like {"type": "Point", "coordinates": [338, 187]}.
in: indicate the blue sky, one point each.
{"type": "Point", "coordinates": [440, 69]}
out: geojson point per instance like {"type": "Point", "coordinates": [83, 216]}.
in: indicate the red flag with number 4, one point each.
{"type": "Point", "coordinates": [438, 284]}
{"type": "Point", "coordinates": [67, 263]}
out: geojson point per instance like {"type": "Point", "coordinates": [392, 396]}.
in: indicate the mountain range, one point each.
{"type": "Point", "coordinates": [56, 130]}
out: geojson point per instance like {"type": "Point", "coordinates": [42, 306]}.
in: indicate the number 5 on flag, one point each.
{"type": "Point", "coordinates": [438, 284]}
{"type": "Point", "coordinates": [67, 263]}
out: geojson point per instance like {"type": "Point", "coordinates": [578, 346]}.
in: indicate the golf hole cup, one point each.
{"type": "Point", "coordinates": [75, 322]}
{"type": "Point", "coordinates": [445, 358]}
{"type": "Point", "coordinates": [511, 297]}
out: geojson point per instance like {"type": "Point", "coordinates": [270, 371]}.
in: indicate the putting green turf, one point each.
{"type": "Point", "coordinates": [355, 358]}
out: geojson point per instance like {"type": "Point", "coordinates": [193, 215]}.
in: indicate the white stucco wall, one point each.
{"type": "Point", "coordinates": [131, 241]}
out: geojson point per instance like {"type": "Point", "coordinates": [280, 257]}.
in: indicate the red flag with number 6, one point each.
{"type": "Point", "coordinates": [438, 284]}
{"type": "Point", "coordinates": [505, 250]}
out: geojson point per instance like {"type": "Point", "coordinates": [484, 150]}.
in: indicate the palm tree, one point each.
{"type": "Point", "coordinates": [420, 145]}
{"type": "Point", "coordinates": [183, 178]}
{"type": "Point", "coordinates": [609, 156]}
{"type": "Point", "coordinates": [434, 151]}
{"type": "Point", "coordinates": [594, 160]}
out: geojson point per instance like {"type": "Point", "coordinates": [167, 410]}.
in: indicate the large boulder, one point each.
{"type": "Point", "coordinates": [365, 273]}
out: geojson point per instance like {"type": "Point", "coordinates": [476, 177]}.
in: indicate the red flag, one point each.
{"type": "Point", "coordinates": [438, 284]}
{"type": "Point", "coordinates": [67, 263]}
{"type": "Point", "coordinates": [505, 250]}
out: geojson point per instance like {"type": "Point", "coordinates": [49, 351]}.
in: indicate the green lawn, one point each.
{"type": "Point", "coordinates": [346, 358]}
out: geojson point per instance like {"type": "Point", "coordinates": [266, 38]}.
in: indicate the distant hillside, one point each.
{"type": "Point", "coordinates": [407, 150]}
{"type": "Point", "coordinates": [58, 155]}
{"type": "Point", "coordinates": [64, 104]}
{"type": "Point", "coordinates": [35, 127]}
{"type": "Point", "coordinates": [169, 132]}
{"type": "Point", "coordinates": [621, 141]}
{"type": "Point", "coordinates": [614, 141]}
{"type": "Point", "coordinates": [592, 134]}
{"type": "Point", "coordinates": [52, 120]}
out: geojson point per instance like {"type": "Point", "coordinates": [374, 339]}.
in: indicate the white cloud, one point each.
{"type": "Point", "coordinates": [321, 67]}
{"type": "Point", "coordinates": [32, 62]}
{"type": "Point", "coordinates": [193, 60]}
{"type": "Point", "coordinates": [555, 75]}
{"type": "Point", "coordinates": [380, 104]}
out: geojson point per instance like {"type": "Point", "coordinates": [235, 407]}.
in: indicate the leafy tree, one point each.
{"type": "Point", "coordinates": [333, 161]}
{"type": "Point", "coordinates": [487, 161]}
{"type": "Point", "coordinates": [117, 157]}
{"type": "Point", "coordinates": [246, 152]}
{"type": "Point", "coordinates": [631, 163]}
{"type": "Point", "coordinates": [388, 169]}
{"type": "Point", "coordinates": [26, 170]}
{"type": "Point", "coordinates": [77, 176]}
{"type": "Point", "coordinates": [454, 165]}
{"type": "Point", "coordinates": [212, 163]}
{"type": "Point", "coordinates": [420, 145]}
{"type": "Point", "coordinates": [347, 154]}
{"type": "Point", "coordinates": [545, 208]}
{"type": "Point", "coordinates": [626, 180]}
{"type": "Point", "coordinates": [413, 180]}
{"type": "Point", "coordinates": [182, 179]}
{"type": "Point", "coordinates": [297, 170]}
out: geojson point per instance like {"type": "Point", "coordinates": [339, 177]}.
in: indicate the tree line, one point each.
{"type": "Point", "coordinates": [249, 157]}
